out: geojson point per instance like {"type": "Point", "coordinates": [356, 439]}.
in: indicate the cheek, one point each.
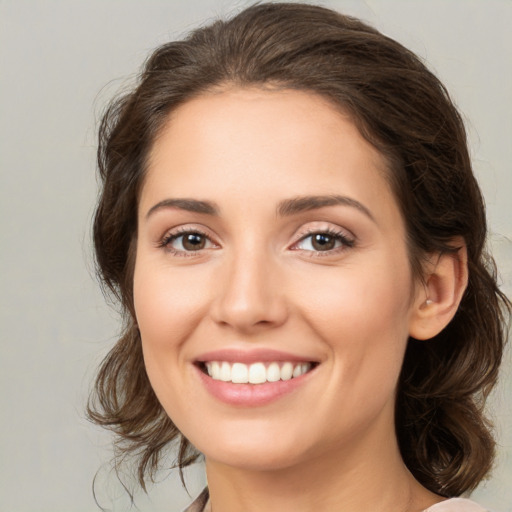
{"type": "Point", "coordinates": [168, 307]}
{"type": "Point", "coordinates": [363, 298]}
{"type": "Point", "coordinates": [363, 317]}
{"type": "Point", "coordinates": [167, 304]}
{"type": "Point", "coordinates": [363, 322]}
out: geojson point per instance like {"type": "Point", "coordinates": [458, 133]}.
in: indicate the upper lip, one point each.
{"type": "Point", "coordinates": [252, 356]}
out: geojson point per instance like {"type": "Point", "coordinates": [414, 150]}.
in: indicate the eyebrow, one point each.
{"type": "Point", "coordinates": [285, 208]}
{"type": "Point", "coordinates": [306, 203]}
{"type": "Point", "coordinates": [189, 205]}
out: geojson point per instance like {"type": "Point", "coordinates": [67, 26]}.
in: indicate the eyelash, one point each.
{"type": "Point", "coordinates": [338, 236]}
{"type": "Point", "coordinates": [166, 241]}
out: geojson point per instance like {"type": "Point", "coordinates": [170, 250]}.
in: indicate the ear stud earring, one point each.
{"type": "Point", "coordinates": [428, 302]}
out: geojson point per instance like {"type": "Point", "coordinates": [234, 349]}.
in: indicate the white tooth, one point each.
{"type": "Point", "coordinates": [239, 373]}
{"type": "Point", "coordinates": [215, 370]}
{"type": "Point", "coordinates": [257, 373]}
{"type": "Point", "coordinates": [297, 371]}
{"type": "Point", "coordinates": [273, 372]}
{"type": "Point", "coordinates": [305, 367]}
{"type": "Point", "coordinates": [286, 371]}
{"type": "Point", "coordinates": [225, 372]}
{"type": "Point", "coordinates": [209, 368]}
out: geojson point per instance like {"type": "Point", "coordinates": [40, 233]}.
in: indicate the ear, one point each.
{"type": "Point", "coordinates": [437, 301]}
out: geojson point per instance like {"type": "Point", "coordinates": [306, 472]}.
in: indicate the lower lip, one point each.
{"type": "Point", "coordinates": [251, 395]}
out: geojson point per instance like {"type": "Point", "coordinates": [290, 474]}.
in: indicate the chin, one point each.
{"type": "Point", "coordinates": [254, 458]}
{"type": "Point", "coordinates": [254, 453]}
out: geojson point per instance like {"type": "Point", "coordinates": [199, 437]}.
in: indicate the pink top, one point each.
{"type": "Point", "coordinates": [456, 505]}
{"type": "Point", "coordinates": [202, 504]}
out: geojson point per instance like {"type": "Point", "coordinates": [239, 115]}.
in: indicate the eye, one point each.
{"type": "Point", "coordinates": [323, 241]}
{"type": "Point", "coordinates": [186, 241]}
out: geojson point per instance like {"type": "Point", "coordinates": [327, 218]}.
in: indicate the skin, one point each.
{"type": "Point", "coordinates": [259, 282]}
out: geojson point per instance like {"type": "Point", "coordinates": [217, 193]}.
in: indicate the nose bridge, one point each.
{"type": "Point", "coordinates": [250, 295]}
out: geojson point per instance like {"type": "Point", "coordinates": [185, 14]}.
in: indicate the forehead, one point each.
{"type": "Point", "coordinates": [273, 143]}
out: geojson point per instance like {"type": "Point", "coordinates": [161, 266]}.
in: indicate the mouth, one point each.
{"type": "Point", "coordinates": [255, 373]}
{"type": "Point", "coordinates": [254, 377]}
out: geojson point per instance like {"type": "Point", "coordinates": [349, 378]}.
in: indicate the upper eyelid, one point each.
{"type": "Point", "coordinates": [187, 228]}
{"type": "Point", "coordinates": [323, 227]}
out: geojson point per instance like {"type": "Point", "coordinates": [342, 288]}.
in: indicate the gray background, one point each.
{"type": "Point", "coordinates": [60, 61]}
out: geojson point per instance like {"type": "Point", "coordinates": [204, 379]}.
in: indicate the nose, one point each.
{"type": "Point", "coordinates": [250, 295]}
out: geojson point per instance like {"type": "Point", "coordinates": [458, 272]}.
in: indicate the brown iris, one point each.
{"type": "Point", "coordinates": [323, 242]}
{"type": "Point", "coordinates": [193, 241]}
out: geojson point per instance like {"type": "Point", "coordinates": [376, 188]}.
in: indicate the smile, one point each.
{"type": "Point", "coordinates": [253, 378]}
{"type": "Point", "coordinates": [255, 373]}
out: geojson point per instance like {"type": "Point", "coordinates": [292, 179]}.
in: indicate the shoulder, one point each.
{"type": "Point", "coordinates": [456, 505]}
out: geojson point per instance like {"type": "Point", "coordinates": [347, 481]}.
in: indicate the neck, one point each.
{"type": "Point", "coordinates": [356, 479]}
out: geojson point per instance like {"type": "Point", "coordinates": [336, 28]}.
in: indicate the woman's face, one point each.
{"type": "Point", "coordinates": [270, 243]}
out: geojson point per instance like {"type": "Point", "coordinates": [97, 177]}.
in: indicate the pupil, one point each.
{"type": "Point", "coordinates": [323, 242]}
{"type": "Point", "coordinates": [193, 242]}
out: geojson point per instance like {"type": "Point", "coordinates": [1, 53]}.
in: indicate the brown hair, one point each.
{"type": "Point", "coordinates": [406, 113]}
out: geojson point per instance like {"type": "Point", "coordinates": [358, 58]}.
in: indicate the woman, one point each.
{"type": "Point", "coordinates": [290, 221]}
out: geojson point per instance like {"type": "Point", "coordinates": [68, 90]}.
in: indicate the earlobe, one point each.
{"type": "Point", "coordinates": [445, 280]}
